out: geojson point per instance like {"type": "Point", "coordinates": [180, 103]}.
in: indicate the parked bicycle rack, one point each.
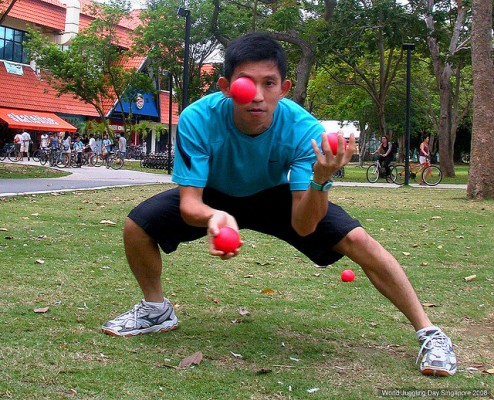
{"type": "Point", "coordinates": [157, 160]}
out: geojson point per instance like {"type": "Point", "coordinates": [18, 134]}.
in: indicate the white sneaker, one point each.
{"type": "Point", "coordinates": [438, 356]}
{"type": "Point", "coordinates": [142, 319]}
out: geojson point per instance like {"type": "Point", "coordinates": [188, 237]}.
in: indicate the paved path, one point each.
{"type": "Point", "coordinates": [100, 177]}
{"type": "Point", "coordinates": [80, 179]}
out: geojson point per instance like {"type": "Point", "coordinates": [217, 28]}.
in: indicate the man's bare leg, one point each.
{"type": "Point", "coordinates": [436, 354]}
{"type": "Point", "coordinates": [154, 314]}
{"type": "Point", "coordinates": [385, 273]}
{"type": "Point", "coordinates": [144, 258]}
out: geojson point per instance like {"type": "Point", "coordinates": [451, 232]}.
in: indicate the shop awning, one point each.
{"type": "Point", "coordinates": [34, 120]}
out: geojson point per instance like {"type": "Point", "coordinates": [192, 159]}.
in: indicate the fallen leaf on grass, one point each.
{"type": "Point", "coordinates": [429, 305]}
{"type": "Point", "coordinates": [489, 371]}
{"type": "Point", "coordinates": [405, 253]}
{"type": "Point", "coordinates": [39, 262]}
{"type": "Point", "coordinates": [195, 358]}
{"type": "Point", "coordinates": [313, 390]}
{"type": "Point", "coordinates": [243, 312]}
{"type": "Point", "coordinates": [469, 278]}
{"type": "Point", "coordinates": [436, 217]}
{"type": "Point", "coordinates": [236, 355]}
{"type": "Point", "coordinates": [248, 276]}
{"type": "Point", "coordinates": [264, 371]}
{"type": "Point", "coordinates": [41, 310]}
{"type": "Point", "coordinates": [107, 222]}
{"type": "Point", "coordinates": [4, 230]}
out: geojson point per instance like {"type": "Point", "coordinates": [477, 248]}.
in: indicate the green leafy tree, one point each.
{"type": "Point", "coordinates": [365, 40]}
{"type": "Point", "coordinates": [298, 25]}
{"type": "Point", "coordinates": [92, 67]}
{"type": "Point", "coordinates": [161, 36]}
{"type": "Point", "coordinates": [328, 99]}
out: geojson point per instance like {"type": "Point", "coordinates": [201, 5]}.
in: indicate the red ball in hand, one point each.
{"type": "Point", "coordinates": [227, 240]}
{"type": "Point", "coordinates": [333, 142]}
{"type": "Point", "coordinates": [243, 90]}
{"type": "Point", "coordinates": [347, 275]}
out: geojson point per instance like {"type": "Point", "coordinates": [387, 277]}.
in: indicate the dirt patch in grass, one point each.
{"type": "Point", "coordinates": [476, 350]}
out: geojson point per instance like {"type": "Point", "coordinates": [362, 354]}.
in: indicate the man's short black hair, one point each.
{"type": "Point", "coordinates": [255, 46]}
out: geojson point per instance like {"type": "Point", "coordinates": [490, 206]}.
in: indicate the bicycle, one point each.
{"type": "Point", "coordinates": [134, 151]}
{"type": "Point", "coordinates": [56, 159]}
{"type": "Point", "coordinates": [13, 154]}
{"type": "Point", "coordinates": [376, 171]}
{"type": "Point", "coordinates": [6, 150]}
{"type": "Point", "coordinates": [113, 160]}
{"type": "Point", "coordinates": [429, 174]}
{"type": "Point", "coordinates": [340, 174]}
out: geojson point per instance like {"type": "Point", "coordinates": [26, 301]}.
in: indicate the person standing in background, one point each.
{"type": "Point", "coordinates": [25, 142]}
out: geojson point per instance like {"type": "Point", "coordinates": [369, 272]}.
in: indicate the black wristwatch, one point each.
{"type": "Point", "coordinates": [321, 187]}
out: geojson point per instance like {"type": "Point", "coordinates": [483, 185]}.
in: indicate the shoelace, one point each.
{"type": "Point", "coordinates": [438, 338]}
{"type": "Point", "coordinates": [135, 310]}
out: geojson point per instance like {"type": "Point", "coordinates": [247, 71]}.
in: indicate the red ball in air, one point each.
{"type": "Point", "coordinates": [243, 90]}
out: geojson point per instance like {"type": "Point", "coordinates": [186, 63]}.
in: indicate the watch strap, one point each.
{"type": "Point", "coordinates": [324, 187]}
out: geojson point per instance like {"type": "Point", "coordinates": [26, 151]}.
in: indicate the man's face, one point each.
{"type": "Point", "coordinates": [255, 117]}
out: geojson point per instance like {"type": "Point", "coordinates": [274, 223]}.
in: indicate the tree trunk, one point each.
{"type": "Point", "coordinates": [446, 144]}
{"type": "Point", "coordinates": [304, 65]}
{"type": "Point", "coordinates": [481, 176]}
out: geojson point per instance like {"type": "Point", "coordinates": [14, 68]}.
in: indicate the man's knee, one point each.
{"type": "Point", "coordinates": [133, 232]}
{"type": "Point", "coordinates": [357, 238]}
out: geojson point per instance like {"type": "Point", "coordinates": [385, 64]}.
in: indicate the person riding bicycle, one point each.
{"type": "Point", "coordinates": [385, 151]}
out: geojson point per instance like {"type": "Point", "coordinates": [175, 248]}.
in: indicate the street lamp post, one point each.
{"type": "Point", "coordinates": [408, 47]}
{"type": "Point", "coordinates": [183, 12]}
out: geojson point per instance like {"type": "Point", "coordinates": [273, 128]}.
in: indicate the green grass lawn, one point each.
{"type": "Point", "coordinates": [306, 329]}
{"type": "Point", "coordinates": [9, 170]}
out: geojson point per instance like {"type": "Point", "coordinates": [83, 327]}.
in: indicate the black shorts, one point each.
{"type": "Point", "coordinates": [267, 212]}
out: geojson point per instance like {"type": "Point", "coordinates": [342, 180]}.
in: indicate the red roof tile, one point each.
{"type": "Point", "coordinates": [164, 109]}
{"type": "Point", "coordinates": [124, 28]}
{"type": "Point", "coordinates": [50, 14]}
{"type": "Point", "coordinates": [29, 93]}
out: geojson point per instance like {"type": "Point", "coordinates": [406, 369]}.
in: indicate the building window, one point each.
{"type": "Point", "coordinates": [11, 47]}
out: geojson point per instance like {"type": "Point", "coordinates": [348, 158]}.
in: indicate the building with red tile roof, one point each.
{"type": "Point", "coordinates": [24, 91]}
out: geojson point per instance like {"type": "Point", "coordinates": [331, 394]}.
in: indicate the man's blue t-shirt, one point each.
{"type": "Point", "coordinates": [211, 152]}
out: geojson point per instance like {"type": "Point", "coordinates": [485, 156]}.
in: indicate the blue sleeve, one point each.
{"type": "Point", "coordinates": [191, 167]}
